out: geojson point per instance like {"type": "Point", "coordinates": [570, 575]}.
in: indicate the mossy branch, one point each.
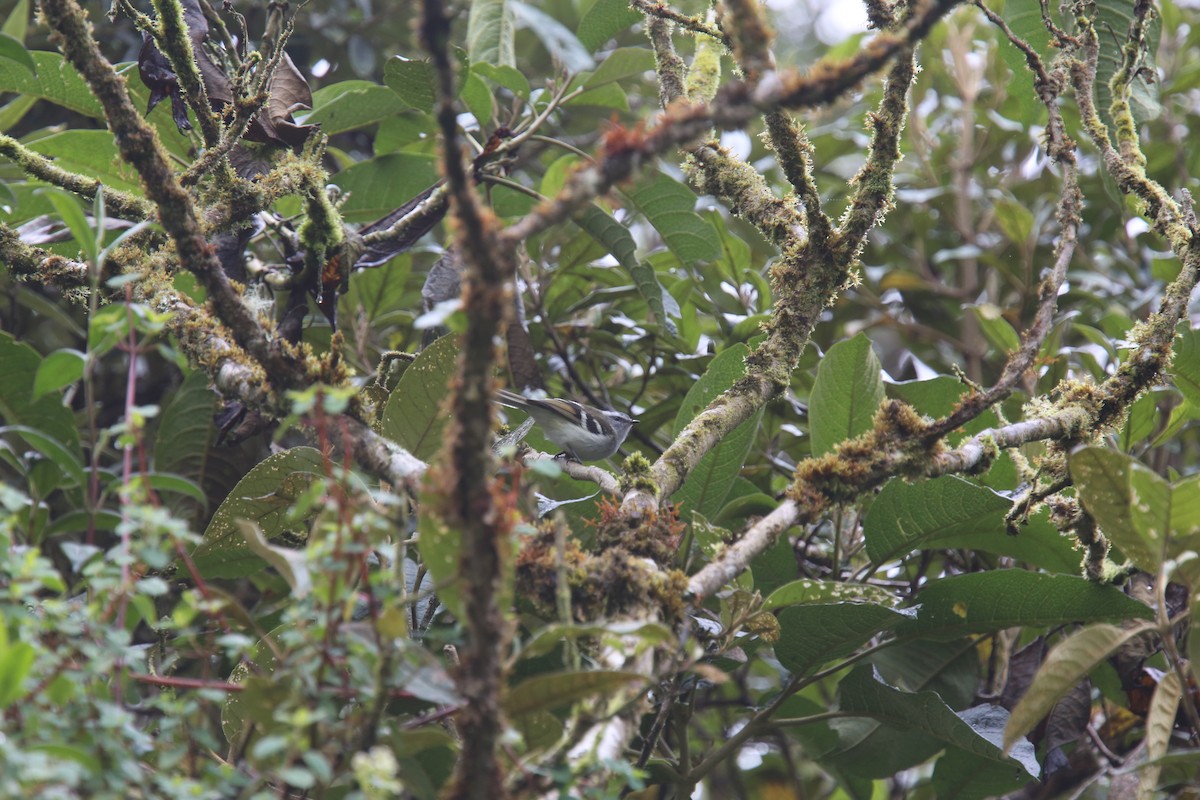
{"type": "Point", "coordinates": [140, 147]}
{"type": "Point", "coordinates": [625, 152]}
{"type": "Point", "coordinates": [35, 263]}
{"type": "Point", "coordinates": [176, 45]}
{"type": "Point", "coordinates": [465, 497]}
{"type": "Point", "coordinates": [36, 165]}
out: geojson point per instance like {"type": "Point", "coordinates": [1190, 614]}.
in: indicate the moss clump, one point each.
{"type": "Point", "coordinates": [618, 580]}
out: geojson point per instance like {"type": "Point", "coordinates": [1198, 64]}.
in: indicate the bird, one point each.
{"type": "Point", "coordinates": [583, 432]}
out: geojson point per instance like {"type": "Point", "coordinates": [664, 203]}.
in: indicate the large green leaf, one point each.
{"type": "Point", "coordinates": [90, 153]}
{"type": "Point", "coordinates": [57, 371]}
{"type": "Point", "coordinates": [1140, 512]}
{"type": "Point", "coordinates": [990, 601]}
{"type": "Point", "coordinates": [186, 428]}
{"type": "Point", "coordinates": [845, 395]}
{"type": "Point", "coordinates": [807, 590]}
{"type": "Point", "coordinates": [907, 516]}
{"type": "Point", "coordinates": [350, 105]}
{"type": "Point", "coordinates": [381, 185]}
{"type": "Point", "coordinates": [55, 81]}
{"type": "Point", "coordinates": [670, 207]}
{"type": "Point", "coordinates": [12, 50]}
{"type": "Point", "coordinates": [414, 417]}
{"type": "Point", "coordinates": [706, 487]}
{"type": "Point", "coordinates": [18, 370]}
{"type": "Point", "coordinates": [1024, 17]}
{"type": "Point", "coordinates": [558, 39]}
{"type": "Point", "coordinates": [603, 20]}
{"type": "Point", "coordinates": [950, 512]}
{"type": "Point", "coordinates": [265, 496]}
{"type": "Point", "coordinates": [412, 81]}
{"type": "Point", "coordinates": [617, 239]}
{"type": "Point", "coordinates": [490, 33]}
{"type": "Point", "coordinates": [1112, 20]}
{"type": "Point", "coordinates": [1185, 366]}
{"type": "Point", "coordinates": [812, 635]}
{"type": "Point", "coordinates": [978, 730]}
{"type": "Point", "coordinates": [959, 775]}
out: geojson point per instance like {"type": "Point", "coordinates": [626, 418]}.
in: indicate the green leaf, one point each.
{"type": "Point", "coordinates": [604, 20]}
{"type": "Point", "coordinates": [959, 775]}
{"type": "Point", "coordinates": [175, 484]}
{"type": "Point", "coordinates": [264, 496]}
{"type": "Point", "coordinates": [1185, 366]}
{"type": "Point", "coordinates": [12, 50]}
{"type": "Point", "coordinates": [490, 33]}
{"type": "Point", "coordinates": [17, 23]}
{"type": "Point", "coordinates": [477, 97]}
{"type": "Point", "coordinates": [55, 81]}
{"type": "Point", "coordinates": [11, 113]}
{"type": "Point", "coordinates": [380, 185]}
{"type": "Point", "coordinates": [995, 328]}
{"type": "Point", "coordinates": [412, 81]}
{"type": "Point", "coordinates": [845, 395]}
{"type": "Point", "coordinates": [621, 64]}
{"type": "Point", "coordinates": [72, 214]}
{"type": "Point", "coordinates": [441, 549]}
{"type": "Point", "coordinates": [908, 516]}
{"type": "Point", "coordinates": [706, 487]}
{"type": "Point", "coordinates": [18, 369]}
{"type": "Point", "coordinates": [1014, 219]}
{"type": "Point", "coordinates": [414, 416]}
{"type": "Point", "coordinates": [508, 77]}
{"type": "Point", "coordinates": [16, 660]}
{"type": "Point", "coordinates": [619, 242]}
{"type": "Point", "coordinates": [1067, 664]}
{"type": "Point", "coordinates": [815, 634]}
{"type": "Point", "coordinates": [807, 590]}
{"type": "Point", "coordinates": [60, 368]}
{"type": "Point", "coordinates": [186, 428]}
{"type": "Point", "coordinates": [75, 522]}
{"type": "Point", "coordinates": [950, 668]}
{"type": "Point", "coordinates": [670, 206]}
{"type": "Point", "coordinates": [1131, 503]}
{"type": "Point", "coordinates": [1024, 17]}
{"type": "Point", "coordinates": [548, 692]}
{"type": "Point", "coordinates": [976, 730]}
{"type": "Point", "coordinates": [558, 39]}
{"type": "Point", "coordinates": [990, 601]}
{"type": "Point", "coordinates": [1112, 20]}
{"type": "Point", "coordinates": [375, 298]}
{"type": "Point", "coordinates": [52, 449]}
{"type": "Point", "coordinates": [350, 105]}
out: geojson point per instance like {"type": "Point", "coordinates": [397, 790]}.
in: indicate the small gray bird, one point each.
{"type": "Point", "coordinates": [583, 432]}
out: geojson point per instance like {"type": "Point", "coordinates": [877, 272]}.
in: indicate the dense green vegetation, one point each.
{"type": "Point", "coordinates": [912, 507]}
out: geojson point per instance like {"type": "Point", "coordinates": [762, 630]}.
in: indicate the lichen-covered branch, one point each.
{"type": "Point", "coordinates": [874, 188]}
{"type": "Point", "coordinates": [624, 152]}
{"type": "Point", "coordinates": [176, 44]}
{"type": "Point", "coordinates": [1061, 148]}
{"type": "Point", "coordinates": [140, 147]}
{"type": "Point", "coordinates": [26, 261]}
{"type": "Point", "coordinates": [466, 499]}
{"type": "Point", "coordinates": [900, 443]}
{"type": "Point", "coordinates": [661, 11]}
{"type": "Point", "coordinates": [804, 280]}
{"type": "Point", "coordinates": [38, 166]}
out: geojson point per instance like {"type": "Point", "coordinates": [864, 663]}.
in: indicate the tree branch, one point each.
{"type": "Point", "coordinates": [140, 147]}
